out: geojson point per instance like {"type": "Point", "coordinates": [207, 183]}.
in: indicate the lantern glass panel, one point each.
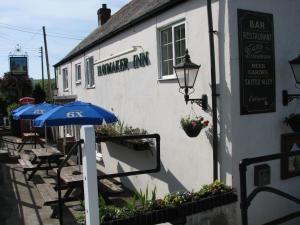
{"type": "Point", "coordinates": [191, 75]}
{"type": "Point", "coordinates": [180, 77]}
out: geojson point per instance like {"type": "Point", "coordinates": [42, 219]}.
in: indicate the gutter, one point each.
{"type": "Point", "coordinates": [134, 22]}
{"type": "Point", "coordinates": [213, 90]}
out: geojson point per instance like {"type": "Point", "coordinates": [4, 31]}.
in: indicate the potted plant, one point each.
{"type": "Point", "coordinates": [193, 125]}
{"type": "Point", "coordinates": [120, 129]}
{"type": "Point", "coordinates": [294, 122]}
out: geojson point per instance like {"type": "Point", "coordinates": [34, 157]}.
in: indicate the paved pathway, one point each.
{"type": "Point", "coordinates": [20, 201]}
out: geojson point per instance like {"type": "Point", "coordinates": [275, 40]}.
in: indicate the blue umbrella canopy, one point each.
{"type": "Point", "coordinates": [75, 113]}
{"type": "Point", "coordinates": [34, 111]}
{"type": "Point", "coordinates": [22, 107]}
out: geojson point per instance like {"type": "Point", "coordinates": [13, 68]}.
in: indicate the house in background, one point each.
{"type": "Point", "coordinates": [126, 65]}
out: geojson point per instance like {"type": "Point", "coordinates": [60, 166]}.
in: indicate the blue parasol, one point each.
{"type": "Point", "coordinates": [75, 113]}
{"type": "Point", "coordinates": [33, 111]}
{"type": "Point", "coordinates": [22, 107]}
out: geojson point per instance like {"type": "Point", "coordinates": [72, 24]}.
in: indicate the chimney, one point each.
{"type": "Point", "coordinates": [103, 15]}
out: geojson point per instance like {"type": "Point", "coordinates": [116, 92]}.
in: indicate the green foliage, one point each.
{"type": "Point", "coordinates": [118, 129]}
{"type": "Point", "coordinates": [14, 124]}
{"type": "Point", "coordinates": [144, 201]}
{"type": "Point", "coordinates": [80, 217]}
{"type": "Point", "coordinates": [40, 82]}
{"type": "Point", "coordinates": [190, 122]}
{"type": "Point", "coordinates": [177, 198]}
{"type": "Point", "coordinates": [115, 213]}
{"type": "Point", "coordinates": [38, 94]}
{"type": "Point", "coordinates": [10, 108]}
{"type": "Point", "coordinates": [217, 187]}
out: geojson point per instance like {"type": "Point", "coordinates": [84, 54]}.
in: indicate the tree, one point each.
{"type": "Point", "coordinates": [38, 94]}
{"type": "Point", "coordinates": [15, 87]}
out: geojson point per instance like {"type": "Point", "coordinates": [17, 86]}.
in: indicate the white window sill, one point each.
{"type": "Point", "coordinates": [92, 87]}
{"type": "Point", "coordinates": [78, 82]}
{"type": "Point", "coordinates": [169, 77]}
{"type": "Point", "coordinates": [66, 90]}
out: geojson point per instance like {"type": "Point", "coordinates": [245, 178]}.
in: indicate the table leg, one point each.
{"type": "Point", "coordinates": [68, 192]}
{"type": "Point", "coordinates": [36, 169]}
{"type": "Point", "coordinates": [20, 147]}
{"type": "Point", "coordinates": [34, 159]}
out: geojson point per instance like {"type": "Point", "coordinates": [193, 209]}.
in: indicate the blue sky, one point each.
{"type": "Point", "coordinates": [71, 18]}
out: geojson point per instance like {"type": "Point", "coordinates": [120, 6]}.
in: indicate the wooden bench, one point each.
{"type": "Point", "coordinates": [48, 194]}
{"type": "Point", "coordinates": [110, 188]}
{"type": "Point", "coordinates": [26, 165]}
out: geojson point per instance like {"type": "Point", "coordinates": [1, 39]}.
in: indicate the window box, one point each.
{"type": "Point", "coordinates": [177, 213]}
{"type": "Point", "coordinates": [136, 145]}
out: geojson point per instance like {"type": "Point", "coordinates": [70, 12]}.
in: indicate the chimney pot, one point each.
{"type": "Point", "coordinates": [104, 14]}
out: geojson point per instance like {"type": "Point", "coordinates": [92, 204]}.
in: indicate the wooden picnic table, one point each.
{"type": "Point", "coordinates": [44, 155]}
{"type": "Point", "coordinates": [75, 181]}
{"type": "Point", "coordinates": [30, 137]}
{"type": "Point", "coordinates": [70, 179]}
{"type": "Point", "coordinates": [46, 152]}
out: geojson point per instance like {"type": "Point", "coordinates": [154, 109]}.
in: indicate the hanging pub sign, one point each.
{"type": "Point", "coordinates": [256, 59]}
{"type": "Point", "coordinates": [18, 65]}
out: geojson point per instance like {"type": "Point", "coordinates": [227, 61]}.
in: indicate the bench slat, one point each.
{"type": "Point", "coordinates": [48, 194]}
{"type": "Point", "coordinates": [26, 164]}
{"type": "Point", "coordinates": [110, 187]}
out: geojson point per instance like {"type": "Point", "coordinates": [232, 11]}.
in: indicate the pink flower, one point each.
{"type": "Point", "coordinates": [205, 123]}
{"type": "Point", "coordinates": [194, 123]}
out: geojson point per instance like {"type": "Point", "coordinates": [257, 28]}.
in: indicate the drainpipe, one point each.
{"type": "Point", "coordinates": [213, 90]}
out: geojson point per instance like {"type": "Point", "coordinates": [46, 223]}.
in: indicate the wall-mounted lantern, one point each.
{"type": "Point", "coordinates": [286, 97]}
{"type": "Point", "coordinates": [186, 73]}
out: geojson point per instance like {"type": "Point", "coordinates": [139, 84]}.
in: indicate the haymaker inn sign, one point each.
{"type": "Point", "coordinates": [140, 60]}
{"type": "Point", "coordinates": [257, 67]}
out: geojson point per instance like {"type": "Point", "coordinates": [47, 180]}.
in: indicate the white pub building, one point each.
{"type": "Point", "coordinates": [248, 56]}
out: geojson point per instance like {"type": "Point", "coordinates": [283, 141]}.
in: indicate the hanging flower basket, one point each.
{"type": "Point", "coordinates": [294, 122]}
{"type": "Point", "coordinates": [193, 126]}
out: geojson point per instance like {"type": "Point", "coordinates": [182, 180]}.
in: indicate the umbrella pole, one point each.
{"type": "Point", "coordinates": [64, 142]}
{"type": "Point", "coordinates": [79, 152]}
{"type": "Point", "coordinates": [77, 172]}
{"type": "Point", "coordinates": [45, 136]}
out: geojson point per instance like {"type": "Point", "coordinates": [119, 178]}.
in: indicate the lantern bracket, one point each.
{"type": "Point", "coordinates": [286, 97]}
{"type": "Point", "coordinates": [202, 102]}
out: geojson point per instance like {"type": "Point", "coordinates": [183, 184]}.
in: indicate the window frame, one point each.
{"type": "Point", "coordinates": [65, 79]}
{"type": "Point", "coordinates": [160, 30]}
{"type": "Point", "coordinates": [78, 81]}
{"type": "Point", "coordinates": [87, 84]}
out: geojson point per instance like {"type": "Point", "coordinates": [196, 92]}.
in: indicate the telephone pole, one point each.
{"type": "Point", "coordinates": [47, 64]}
{"type": "Point", "coordinates": [42, 62]}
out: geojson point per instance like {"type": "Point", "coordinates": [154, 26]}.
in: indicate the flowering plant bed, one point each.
{"type": "Point", "coordinates": [173, 207]}
{"type": "Point", "coordinates": [193, 125]}
{"type": "Point", "coordinates": [170, 214]}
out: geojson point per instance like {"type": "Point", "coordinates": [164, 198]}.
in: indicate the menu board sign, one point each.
{"type": "Point", "coordinates": [257, 62]}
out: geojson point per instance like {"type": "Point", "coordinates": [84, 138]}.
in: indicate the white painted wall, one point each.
{"type": "Point", "coordinates": [139, 98]}
{"type": "Point", "coordinates": [259, 134]}
{"type": "Point", "coordinates": [142, 100]}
